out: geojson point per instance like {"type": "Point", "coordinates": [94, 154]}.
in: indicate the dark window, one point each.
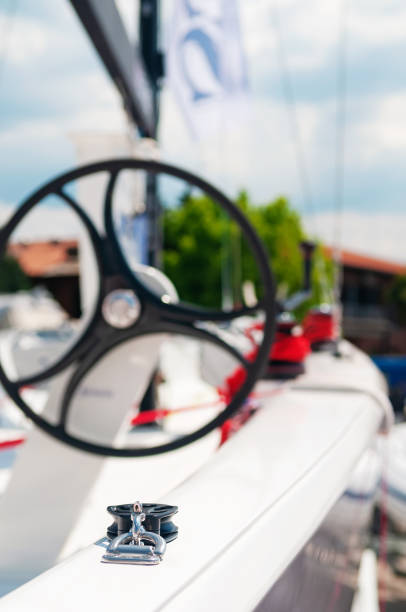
{"type": "Point", "coordinates": [72, 251]}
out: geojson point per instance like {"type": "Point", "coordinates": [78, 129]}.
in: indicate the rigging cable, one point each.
{"type": "Point", "coordinates": [341, 120]}
{"type": "Point", "coordinates": [290, 103]}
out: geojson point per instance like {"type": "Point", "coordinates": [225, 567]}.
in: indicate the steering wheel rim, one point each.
{"type": "Point", "coordinates": [156, 315]}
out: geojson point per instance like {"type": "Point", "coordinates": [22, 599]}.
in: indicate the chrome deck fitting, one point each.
{"type": "Point", "coordinates": [132, 548]}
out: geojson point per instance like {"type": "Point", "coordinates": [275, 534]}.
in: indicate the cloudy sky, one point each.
{"type": "Point", "coordinates": [52, 86]}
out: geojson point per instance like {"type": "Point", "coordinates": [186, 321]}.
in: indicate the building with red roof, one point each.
{"type": "Point", "coordinates": [53, 264]}
{"type": "Point", "coordinates": [367, 318]}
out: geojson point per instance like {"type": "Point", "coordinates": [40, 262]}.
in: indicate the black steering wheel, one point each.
{"type": "Point", "coordinates": [155, 314]}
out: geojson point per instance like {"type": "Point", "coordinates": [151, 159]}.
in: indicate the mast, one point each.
{"type": "Point", "coordinates": [153, 61]}
{"type": "Point", "coordinates": [122, 60]}
{"type": "Point", "coordinates": [136, 71]}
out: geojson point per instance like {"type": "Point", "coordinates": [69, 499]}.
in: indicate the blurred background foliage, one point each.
{"type": "Point", "coordinates": [12, 277]}
{"type": "Point", "coordinates": [201, 245]}
{"type": "Point", "coordinates": [396, 298]}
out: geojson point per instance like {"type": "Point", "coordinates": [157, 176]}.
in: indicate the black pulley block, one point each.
{"type": "Point", "coordinates": [158, 519]}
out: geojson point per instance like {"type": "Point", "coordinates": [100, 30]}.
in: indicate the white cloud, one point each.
{"type": "Point", "coordinates": [6, 209]}
{"type": "Point", "coordinates": [28, 40]}
{"type": "Point", "coordinates": [258, 156]}
{"type": "Point", "coordinates": [43, 223]}
{"type": "Point", "coordinates": [39, 137]}
{"type": "Point", "coordinates": [377, 25]}
{"type": "Point", "coordinates": [384, 130]}
{"type": "Point", "coordinates": [308, 32]}
{"type": "Point", "coordinates": [377, 234]}
{"type": "Point", "coordinates": [31, 40]}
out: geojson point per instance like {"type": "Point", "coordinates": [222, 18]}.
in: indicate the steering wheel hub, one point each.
{"type": "Point", "coordinates": [121, 308]}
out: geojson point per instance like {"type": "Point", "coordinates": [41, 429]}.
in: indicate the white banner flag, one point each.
{"type": "Point", "coordinates": [206, 63]}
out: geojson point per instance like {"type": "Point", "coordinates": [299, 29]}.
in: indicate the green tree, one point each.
{"type": "Point", "coordinates": [280, 230]}
{"type": "Point", "coordinates": [201, 244]}
{"type": "Point", "coordinates": [12, 277]}
{"type": "Point", "coordinates": [396, 297]}
{"type": "Point", "coordinates": [192, 249]}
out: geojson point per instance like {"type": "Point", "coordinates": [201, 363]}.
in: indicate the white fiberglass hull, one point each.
{"type": "Point", "coordinates": [243, 516]}
{"type": "Point", "coordinates": [393, 488]}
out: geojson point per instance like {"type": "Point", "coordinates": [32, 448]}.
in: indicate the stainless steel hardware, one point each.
{"type": "Point", "coordinates": [132, 547]}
